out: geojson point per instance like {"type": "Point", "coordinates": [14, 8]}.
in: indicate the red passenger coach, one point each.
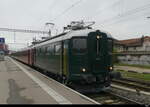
{"type": "Point", "coordinates": [31, 57]}
{"type": "Point", "coordinates": [25, 56]}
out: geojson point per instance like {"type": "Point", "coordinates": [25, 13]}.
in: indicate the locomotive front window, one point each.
{"type": "Point", "coordinates": [80, 45]}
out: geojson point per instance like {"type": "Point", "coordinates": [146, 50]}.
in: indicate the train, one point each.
{"type": "Point", "coordinates": [80, 56]}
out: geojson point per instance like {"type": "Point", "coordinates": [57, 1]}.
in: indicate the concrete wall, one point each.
{"type": "Point", "coordinates": [134, 59]}
{"type": "Point", "coordinates": [144, 47]}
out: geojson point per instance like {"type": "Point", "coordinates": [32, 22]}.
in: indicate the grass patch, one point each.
{"type": "Point", "coordinates": [134, 65]}
{"type": "Point", "coordinates": [140, 76]}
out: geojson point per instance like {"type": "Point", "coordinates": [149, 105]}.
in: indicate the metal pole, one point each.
{"type": "Point", "coordinates": [14, 37]}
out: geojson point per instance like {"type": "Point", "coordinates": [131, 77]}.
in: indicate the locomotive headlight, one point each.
{"type": "Point", "coordinates": [111, 68]}
{"type": "Point", "coordinates": [83, 70]}
{"type": "Point", "coordinates": [98, 37]}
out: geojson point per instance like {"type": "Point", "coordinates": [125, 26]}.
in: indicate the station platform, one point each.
{"type": "Point", "coordinates": [20, 84]}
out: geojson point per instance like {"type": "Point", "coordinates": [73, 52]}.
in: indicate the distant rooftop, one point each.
{"type": "Point", "coordinates": [132, 42]}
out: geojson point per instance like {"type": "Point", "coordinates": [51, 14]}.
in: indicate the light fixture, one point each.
{"type": "Point", "coordinates": [98, 37]}
{"type": "Point", "coordinates": [111, 68]}
{"type": "Point", "coordinates": [83, 70]}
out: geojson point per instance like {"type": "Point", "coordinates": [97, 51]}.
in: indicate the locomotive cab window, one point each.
{"type": "Point", "coordinates": [79, 45]}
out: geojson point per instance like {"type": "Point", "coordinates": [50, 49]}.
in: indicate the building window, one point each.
{"type": "Point", "coordinates": [134, 48]}
{"type": "Point", "coordinates": [126, 48]}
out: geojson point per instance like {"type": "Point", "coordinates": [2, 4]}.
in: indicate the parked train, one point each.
{"type": "Point", "coordinates": [82, 56]}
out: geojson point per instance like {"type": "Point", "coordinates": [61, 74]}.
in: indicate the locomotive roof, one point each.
{"type": "Point", "coordinates": [68, 35]}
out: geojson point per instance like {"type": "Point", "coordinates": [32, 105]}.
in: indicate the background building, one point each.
{"type": "Point", "coordinates": [133, 51]}
{"type": "Point", "coordinates": [133, 45]}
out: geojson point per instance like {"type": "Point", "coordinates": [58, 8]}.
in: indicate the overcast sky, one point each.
{"type": "Point", "coordinates": [124, 19]}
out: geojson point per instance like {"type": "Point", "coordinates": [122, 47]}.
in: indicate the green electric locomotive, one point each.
{"type": "Point", "coordinates": [82, 56]}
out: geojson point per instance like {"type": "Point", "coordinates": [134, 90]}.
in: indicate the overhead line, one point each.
{"type": "Point", "coordinates": [24, 31]}
{"type": "Point", "coordinates": [99, 12]}
{"type": "Point", "coordinates": [18, 43]}
{"type": "Point", "coordinates": [120, 20]}
{"type": "Point", "coordinates": [66, 10]}
{"type": "Point", "coordinates": [130, 12]}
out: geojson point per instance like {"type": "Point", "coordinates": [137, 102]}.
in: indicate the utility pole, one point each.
{"type": "Point", "coordinates": [14, 37]}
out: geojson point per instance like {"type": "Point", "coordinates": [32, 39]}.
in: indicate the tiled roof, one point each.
{"type": "Point", "coordinates": [132, 42]}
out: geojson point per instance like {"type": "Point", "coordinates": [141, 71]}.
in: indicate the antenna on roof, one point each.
{"type": "Point", "coordinates": [78, 25]}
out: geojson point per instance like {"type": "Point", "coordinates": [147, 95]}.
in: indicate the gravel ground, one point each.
{"type": "Point", "coordinates": [143, 99]}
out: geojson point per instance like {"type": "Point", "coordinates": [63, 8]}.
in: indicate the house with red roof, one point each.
{"type": "Point", "coordinates": [133, 45]}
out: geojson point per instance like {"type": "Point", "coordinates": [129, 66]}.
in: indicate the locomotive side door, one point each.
{"type": "Point", "coordinates": [65, 61]}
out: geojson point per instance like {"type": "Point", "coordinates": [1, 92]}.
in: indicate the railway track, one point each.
{"type": "Point", "coordinates": [124, 91]}
{"type": "Point", "coordinates": [136, 80]}
{"type": "Point", "coordinates": [137, 85]}
{"type": "Point", "coordinates": [129, 93]}
{"type": "Point", "coordinates": [108, 97]}
{"type": "Point", "coordinates": [120, 95]}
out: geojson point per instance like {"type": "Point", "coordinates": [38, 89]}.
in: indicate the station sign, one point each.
{"type": "Point", "coordinates": [2, 40]}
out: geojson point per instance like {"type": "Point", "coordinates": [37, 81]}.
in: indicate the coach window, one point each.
{"type": "Point", "coordinates": [79, 45]}
{"type": "Point", "coordinates": [35, 52]}
{"type": "Point", "coordinates": [40, 51]}
{"type": "Point", "coordinates": [57, 49]}
{"type": "Point", "coordinates": [43, 50]}
{"type": "Point", "coordinates": [52, 49]}
{"type": "Point", "coordinates": [46, 51]}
